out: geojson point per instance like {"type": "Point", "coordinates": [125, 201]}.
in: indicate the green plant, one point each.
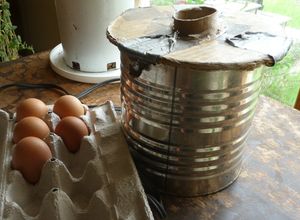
{"type": "Point", "coordinates": [282, 81]}
{"type": "Point", "coordinates": [288, 8]}
{"type": "Point", "coordinates": [195, 1]}
{"type": "Point", "coordinates": [10, 43]}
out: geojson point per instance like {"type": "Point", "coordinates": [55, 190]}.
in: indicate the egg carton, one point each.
{"type": "Point", "coordinates": [98, 182]}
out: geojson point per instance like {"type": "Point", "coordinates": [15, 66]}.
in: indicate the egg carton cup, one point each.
{"type": "Point", "coordinates": [98, 182]}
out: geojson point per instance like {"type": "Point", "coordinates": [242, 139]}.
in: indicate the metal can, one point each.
{"type": "Point", "coordinates": [187, 127]}
{"type": "Point", "coordinates": [188, 99]}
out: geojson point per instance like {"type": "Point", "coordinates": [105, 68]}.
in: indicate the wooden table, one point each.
{"type": "Point", "coordinates": [269, 184]}
{"type": "Point", "coordinates": [36, 69]}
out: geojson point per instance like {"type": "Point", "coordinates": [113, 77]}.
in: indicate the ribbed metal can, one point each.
{"type": "Point", "coordinates": [187, 127]}
{"type": "Point", "coordinates": [188, 98]}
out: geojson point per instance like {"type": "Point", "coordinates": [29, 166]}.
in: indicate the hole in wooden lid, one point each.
{"type": "Point", "coordinates": [196, 21]}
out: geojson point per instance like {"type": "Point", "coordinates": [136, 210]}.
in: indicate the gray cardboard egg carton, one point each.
{"type": "Point", "coordinates": [98, 182]}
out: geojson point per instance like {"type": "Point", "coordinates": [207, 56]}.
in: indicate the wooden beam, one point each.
{"type": "Point", "coordinates": [297, 104]}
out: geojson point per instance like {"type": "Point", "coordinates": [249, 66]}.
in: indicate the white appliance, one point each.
{"type": "Point", "coordinates": [85, 54]}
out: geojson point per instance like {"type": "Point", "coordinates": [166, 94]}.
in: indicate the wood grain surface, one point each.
{"type": "Point", "coordinates": [148, 33]}
{"type": "Point", "coordinates": [269, 184]}
{"type": "Point", "coordinates": [36, 69]}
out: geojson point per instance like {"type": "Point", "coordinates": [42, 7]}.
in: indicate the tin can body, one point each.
{"type": "Point", "coordinates": [186, 127]}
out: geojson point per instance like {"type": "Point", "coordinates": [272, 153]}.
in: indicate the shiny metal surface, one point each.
{"type": "Point", "coordinates": [186, 127]}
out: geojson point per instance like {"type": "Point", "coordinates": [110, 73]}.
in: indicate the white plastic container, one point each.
{"type": "Point", "coordinates": [82, 27]}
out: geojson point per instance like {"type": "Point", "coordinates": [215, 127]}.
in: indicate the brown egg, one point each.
{"type": "Point", "coordinates": [30, 126]}
{"type": "Point", "coordinates": [29, 156]}
{"type": "Point", "coordinates": [72, 129]}
{"type": "Point", "coordinates": [68, 105]}
{"type": "Point", "coordinates": [31, 107]}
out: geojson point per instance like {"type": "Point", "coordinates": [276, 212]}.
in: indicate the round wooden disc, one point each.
{"type": "Point", "coordinates": [242, 41]}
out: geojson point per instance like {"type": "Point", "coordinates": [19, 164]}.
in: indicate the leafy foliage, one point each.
{"type": "Point", "coordinates": [282, 81]}
{"type": "Point", "coordinates": [10, 43]}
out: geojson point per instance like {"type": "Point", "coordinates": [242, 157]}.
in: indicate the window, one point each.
{"type": "Point", "coordinates": [281, 82]}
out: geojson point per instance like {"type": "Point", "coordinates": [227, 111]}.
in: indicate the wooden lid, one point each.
{"type": "Point", "coordinates": [242, 40]}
